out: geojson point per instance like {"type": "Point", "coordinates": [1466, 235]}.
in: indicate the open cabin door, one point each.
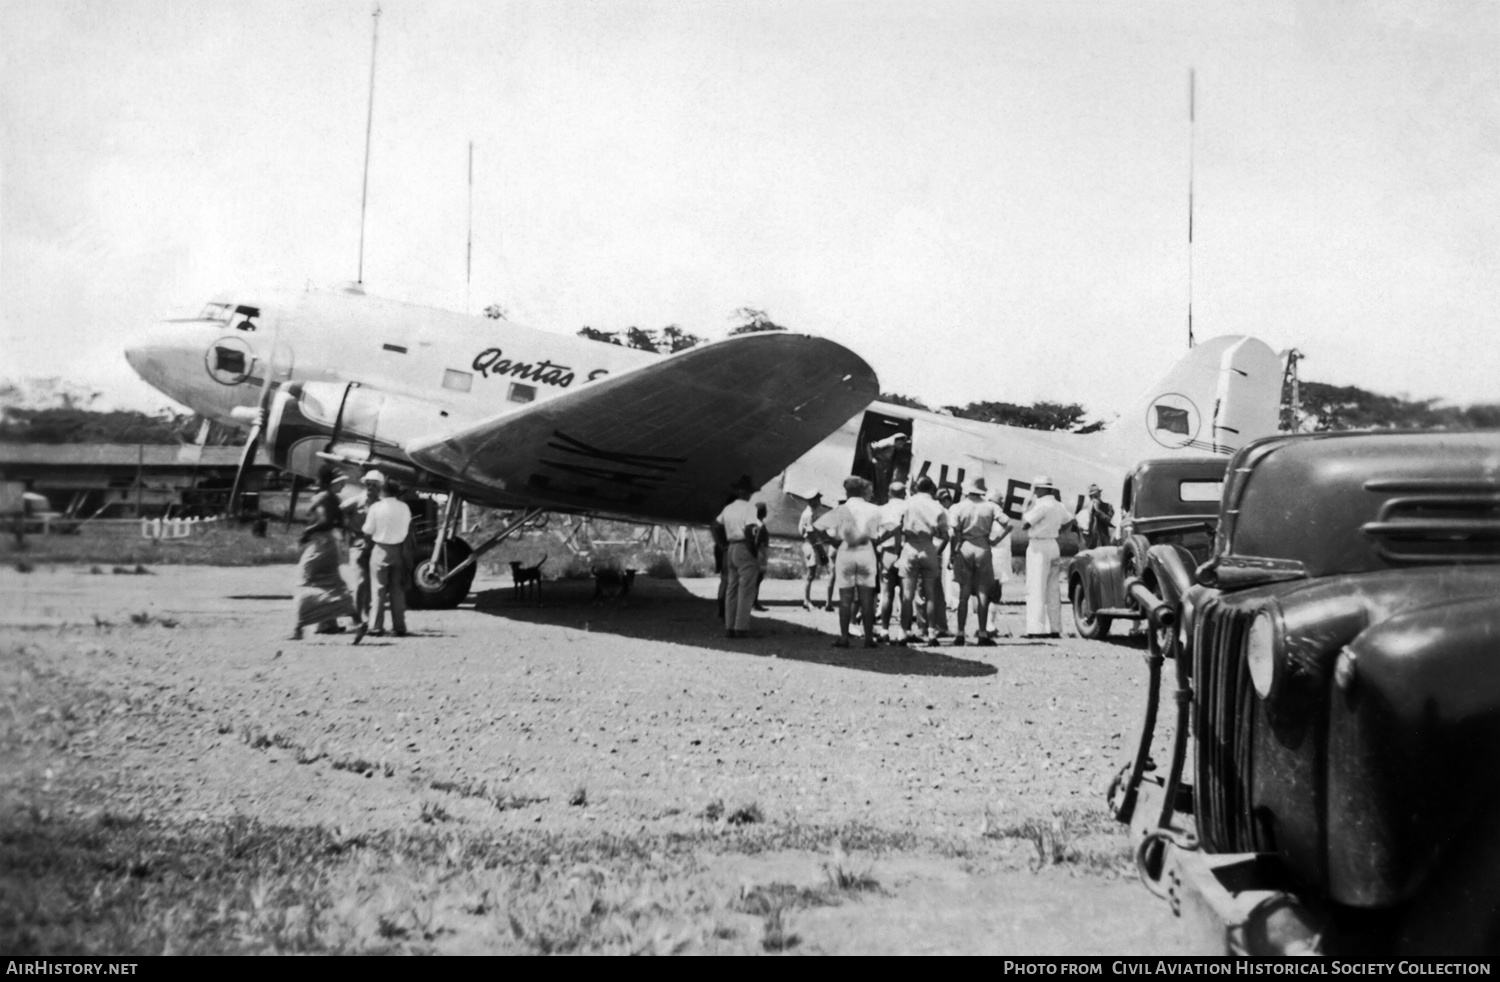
{"type": "Point", "coordinates": [876, 458]}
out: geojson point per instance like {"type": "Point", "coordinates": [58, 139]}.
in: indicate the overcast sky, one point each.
{"type": "Point", "coordinates": [985, 200]}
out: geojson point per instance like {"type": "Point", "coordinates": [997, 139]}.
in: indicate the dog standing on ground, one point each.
{"type": "Point", "coordinates": [520, 576]}
{"type": "Point", "coordinates": [611, 584]}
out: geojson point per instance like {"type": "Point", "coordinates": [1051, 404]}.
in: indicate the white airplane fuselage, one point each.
{"type": "Point", "coordinates": [395, 374]}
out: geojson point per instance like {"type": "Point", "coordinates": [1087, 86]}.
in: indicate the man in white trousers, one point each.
{"type": "Point", "coordinates": [740, 528]}
{"type": "Point", "coordinates": [1046, 517]}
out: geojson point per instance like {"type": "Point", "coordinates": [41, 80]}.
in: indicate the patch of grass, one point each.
{"type": "Point", "coordinates": [145, 618]}
{"type": "Point", "coordinates": [846, 877]}
{"type": "Point", "coordinates": [509, 802]}
{"type": "Point", "coordinates": [124, 884]}
{"type": "Point", "coordinates": [433, 812]}
{"type": "Point", "coordinates": [746, 815]}
{"type": "Point", "coordinates": [1087, 841]}
{"type": "Point", "coordinates": [776, 936]}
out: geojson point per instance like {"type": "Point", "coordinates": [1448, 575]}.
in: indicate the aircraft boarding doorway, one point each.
{"type": "Point", "coordinates": [876, 457]}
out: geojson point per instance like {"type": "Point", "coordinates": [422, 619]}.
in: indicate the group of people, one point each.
{"type": "Point", "coordinates": [900, 549]}
{"type": "Point", "coordinates": [377, 527]}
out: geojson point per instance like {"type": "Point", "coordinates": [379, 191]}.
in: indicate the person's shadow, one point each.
{"type": "Point", "coordinates": [667, 611]}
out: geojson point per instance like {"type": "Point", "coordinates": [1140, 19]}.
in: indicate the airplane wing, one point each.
{"type": "Point", "coordinates": [666, 440]}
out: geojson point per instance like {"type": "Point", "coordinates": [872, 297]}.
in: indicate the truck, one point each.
{"type": "Point", "coordinates": [1333, 784]}
{"type": "Point", "coordinates": [1167, 501]}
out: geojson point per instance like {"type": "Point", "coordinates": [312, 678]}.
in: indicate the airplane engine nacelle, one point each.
{"type": "Point", "coordinates": [351, 423]}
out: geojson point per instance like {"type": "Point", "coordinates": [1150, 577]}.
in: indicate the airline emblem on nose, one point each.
{"type": "Point", "coordinates": [229, 360]}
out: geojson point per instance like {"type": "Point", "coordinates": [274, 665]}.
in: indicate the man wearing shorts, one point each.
{"type": "Point", "coordinates": [814, 552]}
{"type": "Point", "coordinates": [924, 529]}
{"type": "Point", "coordinates": [976, 523]}
{"type": "Point", "coordinates": [856, 525]}
{"type": "Point", "coordinates": [889, 554]}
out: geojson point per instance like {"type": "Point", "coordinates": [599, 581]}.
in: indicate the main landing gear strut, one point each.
{"type": "Point", "coordinates": [444, 578]}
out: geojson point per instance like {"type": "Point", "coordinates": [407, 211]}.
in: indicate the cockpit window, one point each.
{"type": "Point", "coordinates": [241, 317]}
{"type": "Point", "coordinates": [244, 317]}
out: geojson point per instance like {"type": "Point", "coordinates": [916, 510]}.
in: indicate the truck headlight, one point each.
{"type": "Point", "coordinates": [1260, 653]}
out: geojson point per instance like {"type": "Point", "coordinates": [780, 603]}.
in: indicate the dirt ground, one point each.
{"type": "Point", "coordinates": [975, 776]}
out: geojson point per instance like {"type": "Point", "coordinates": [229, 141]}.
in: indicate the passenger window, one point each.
{"type": "Point", "coordinates": [457, 381]}
{"type": "Point", "coordinates": [522, 393]}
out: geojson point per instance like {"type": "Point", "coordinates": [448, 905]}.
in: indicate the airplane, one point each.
{"type": "Point", "coordinates": [500, 414]}
{"type": "Point", "coordinates": [1222, 394]}
{"type": "Point", "coordinates": [495, 413]}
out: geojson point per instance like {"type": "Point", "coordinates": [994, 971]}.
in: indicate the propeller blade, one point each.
{"type": "Point", "coordinates": [252, 443]}
{"type": "Point", "coordinates": [246, 459]}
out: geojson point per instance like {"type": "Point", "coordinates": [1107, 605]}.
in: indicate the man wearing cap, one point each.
{"type": "Point", "coordinates": [977, 526]}
{"type": "Point", "coordinates": [924, 529]}
{"type": "Point", "coordinates": [814, 551]}
{"type": "Point", "coordinates": [356, 510]}
{"type": "Point", "coordinates": [740, 528]}
{"type": "Point", "coordinates": [387, 524]}
{"type": "Point", "coordinates": [1046, 517]}
{"type": "Point", "coordinates": [1095, 519]}
{"type": "Point", "coordinates": [889, 552]}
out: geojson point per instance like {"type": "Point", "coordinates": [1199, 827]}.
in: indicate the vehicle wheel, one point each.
{"type": "Point", "coordinates": [1089, 626]}
{"type": "Point", "coordinates": [425, 594]}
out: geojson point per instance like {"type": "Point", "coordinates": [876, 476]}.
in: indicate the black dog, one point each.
{"type": "Point", "coordinates": [611, 584]}
{"type": "Point", "coordinates": [520, 576]}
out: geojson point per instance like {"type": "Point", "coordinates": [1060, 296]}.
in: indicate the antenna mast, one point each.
{"type": "Point", "coordinates": [1192, 127]}
{"type": "Point", "coordinates": [364, 191]}
{"type": "Point", "coordinates": [469, 254]}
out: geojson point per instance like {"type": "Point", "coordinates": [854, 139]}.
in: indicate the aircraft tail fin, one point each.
{"type": "Point", "coordinates": [1222, 394]}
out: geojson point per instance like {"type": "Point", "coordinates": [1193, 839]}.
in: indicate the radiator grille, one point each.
{"type": "Point", "coordinates": [1223, 723]}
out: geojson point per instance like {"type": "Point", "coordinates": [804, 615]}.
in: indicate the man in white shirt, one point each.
{"type": "Point", "coordinates": [740, 525]}
{"type": "Point", "coordinates": [1046, 517]}
{"type": "Point", "coordinates": [814, 551]}
{"type": "Point", "coordinates": [387, 524]}
{"type": "Point", "coordinates": [857, 525]}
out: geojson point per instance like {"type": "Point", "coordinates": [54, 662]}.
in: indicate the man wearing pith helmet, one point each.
{"type": "Point", "coordinates": [977, 524]}
{"type": "Point", "coordinates": [814, 548]}
{"type": "Point", "coordinates": [1046, 517]}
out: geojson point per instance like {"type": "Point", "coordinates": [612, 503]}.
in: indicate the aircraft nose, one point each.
{"type": "Point", "coordinates": [151, 349]}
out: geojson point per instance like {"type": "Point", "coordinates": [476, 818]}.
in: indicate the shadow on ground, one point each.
{"type": "Point", "coordinates": [667, 611]}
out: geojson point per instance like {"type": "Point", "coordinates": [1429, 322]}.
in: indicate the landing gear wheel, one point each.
{"type": "Point", "coordinates": [1089, 624]}
{"type": "Point", "coordinates": [428, 592]}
